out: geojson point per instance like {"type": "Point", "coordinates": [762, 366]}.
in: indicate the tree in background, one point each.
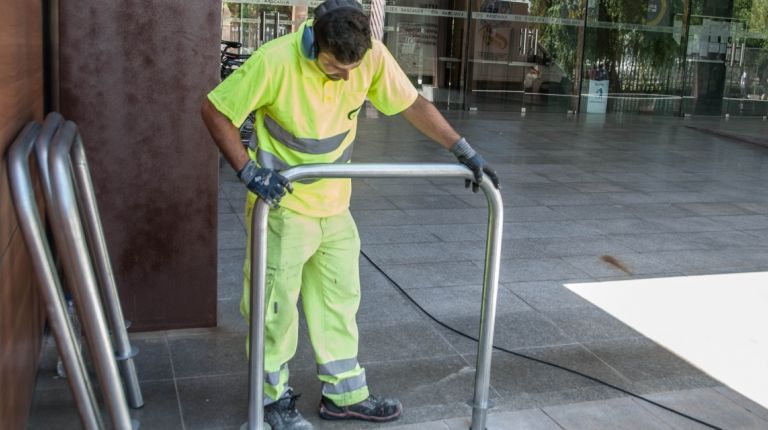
{"type": "Point", "coordinates": [637, 60]}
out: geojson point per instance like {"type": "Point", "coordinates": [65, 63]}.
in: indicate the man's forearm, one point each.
{"type": "Point", "coordinates": [225, 134]}
{"type": "Point", "coordinates": [427, 119]}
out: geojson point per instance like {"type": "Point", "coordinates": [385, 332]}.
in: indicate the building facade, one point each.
{"type": "Point", "coordinates": [660, 57]}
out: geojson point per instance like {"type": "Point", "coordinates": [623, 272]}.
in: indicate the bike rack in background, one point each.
{"type": "Point", "coordinates": [65, 160]}
{"type": "Point", "coordinates": [490, 280]}
{"type": "Point", "coordinates": [33, 229]}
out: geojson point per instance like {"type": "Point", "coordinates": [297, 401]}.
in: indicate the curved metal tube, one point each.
{"type": "Point", "coordinates": [123, 350]}
{"type": "Point", "coordinates": [490, 279]}
{"type": "Point", "coordinates": [72, 242]}
{"type": "Point", "coordinates": [34, 235]}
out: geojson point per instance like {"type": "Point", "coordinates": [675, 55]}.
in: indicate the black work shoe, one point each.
{"type": "Point", "coordinates": [282, 414]}
{"type": "Point", "coordinates": [370, 409]}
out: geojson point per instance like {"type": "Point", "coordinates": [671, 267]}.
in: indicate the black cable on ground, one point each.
{"type": "Point", "coordinates": [537, 360]}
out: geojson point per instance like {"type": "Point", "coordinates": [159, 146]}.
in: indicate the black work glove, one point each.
{"type": "Point", "coordinates": [268, 184]}
{"type": "Point", "coordinates": [468, 157]}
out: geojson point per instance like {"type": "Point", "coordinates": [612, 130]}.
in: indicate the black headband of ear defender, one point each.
{"type": "Point", "coordinates": [308, 44]}
{"type": "Point", "coordinates": [329, 5]}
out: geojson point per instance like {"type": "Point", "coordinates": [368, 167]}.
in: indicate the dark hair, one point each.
{"type": "Point", "coordinates": [344, 33]}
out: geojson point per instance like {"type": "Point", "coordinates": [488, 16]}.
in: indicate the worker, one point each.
{"type": "Point", "coordinates": [306, 89]}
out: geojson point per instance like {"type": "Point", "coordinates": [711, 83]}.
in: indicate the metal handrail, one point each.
{"type": "Point", "coordinates": [124, 352]}
{"type": "Point", "coordinates": [33, 231]}
{"type": "Point", "coordinates": [72, 242]}
{"type": "Point", "coordinates": [490, 279]}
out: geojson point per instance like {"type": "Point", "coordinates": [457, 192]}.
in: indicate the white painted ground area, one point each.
{"type": "Point", "coordinates": [718, 323]}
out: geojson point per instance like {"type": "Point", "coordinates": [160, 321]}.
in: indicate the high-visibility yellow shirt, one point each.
{"type": "Point", "coordinates": [304, 117]}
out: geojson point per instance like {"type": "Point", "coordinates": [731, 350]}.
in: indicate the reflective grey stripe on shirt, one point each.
{"type": "Point", "coordinates": [346, 386]}
{"type": "Point", "coordinates": [271, 161]}
{"type": "Point", "coordinates": [303, 144]}
{"type": "Point", "coordinates": [337, 367]}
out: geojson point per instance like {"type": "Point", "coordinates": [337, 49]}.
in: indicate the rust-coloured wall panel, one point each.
{"type": "Point", "coordinates": [20, 334]}
{"type": "Point", "coordinates": [21, 316]}
{"type": "Point", "coordinates": [133, 75]}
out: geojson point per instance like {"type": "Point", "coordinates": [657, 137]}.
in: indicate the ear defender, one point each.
{"type": "Point", "coordinates": [308, 45]}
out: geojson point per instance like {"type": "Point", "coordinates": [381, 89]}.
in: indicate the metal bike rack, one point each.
{"type": "Point", "coordinates": [33, 230]}
{"type": "Point", "coordinates": [66, 161]}
{"type": "Point", "coordinates": [490, 279]}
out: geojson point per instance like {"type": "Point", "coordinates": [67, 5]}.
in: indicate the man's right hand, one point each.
{"type": "Point", "coordinates": [268, 184]}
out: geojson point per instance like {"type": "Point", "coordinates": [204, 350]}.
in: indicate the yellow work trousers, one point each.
{"type": "Point", "coordinates": [317, 258]}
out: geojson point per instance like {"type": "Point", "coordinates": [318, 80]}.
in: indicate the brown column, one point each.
{"type": "Point", "coordinates": [133, 74]}
{"type": "Point", "coordinates": [21, 315]}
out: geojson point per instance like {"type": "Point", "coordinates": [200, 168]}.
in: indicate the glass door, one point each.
{"type": "Point", "coordinates": [524, 55]}
{"type": "Point", "coordinates": [428, 39]}
{"type": "Point", "coordinates": [747, 61]}
{"type": "Point", "coordinates": [255, 22]}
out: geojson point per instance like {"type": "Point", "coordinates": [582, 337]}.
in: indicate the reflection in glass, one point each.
{"type": "Point", "coordinates": [661, 57]}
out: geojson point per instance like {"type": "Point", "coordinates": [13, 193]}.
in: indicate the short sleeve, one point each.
{"type": "Point", "coordinates": [391, 91]}
{"type": "Point", "coordinates": [244, 91]}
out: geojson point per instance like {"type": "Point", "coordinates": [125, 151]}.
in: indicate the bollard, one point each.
{"type": "Point", "coordinates": [490, 277]}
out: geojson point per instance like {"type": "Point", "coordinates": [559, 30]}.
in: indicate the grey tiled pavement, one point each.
{"type": "Point", "coordinates": [663, 198]}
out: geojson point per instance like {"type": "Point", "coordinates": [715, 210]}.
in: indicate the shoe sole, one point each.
{"type": "Point", "coordinates": [334, 416]}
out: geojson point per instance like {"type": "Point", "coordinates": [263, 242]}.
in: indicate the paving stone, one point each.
{"type": "Point", "coordinates": [382, 217]}
{"type": "Point", "coordinates": [448, 216]}
{"type": "Point", "coordinates": [554, 247]}
{"type": "Point", "coordinates": [641, 360]}
{"type": "Point", "coordinates": [743, 222]}
{"type": "Point", "coordinates": [594, 211]}
{"type": "Point", "coordinates": [632, 264]}
{"type": "Point", "coordinates": [386, 305]}
{"type": "Point", "coordinates": [519, 380]}
{"type": "Point", "coordinates": [412, 253]}
{"type": "Point", "coordinates": [614, 414]}
{"type": "Point", "coordinates": [214, 401]}
{"type": "Point", "coordinates": [395, 234]}
{"type": "Point", "coordinates": [56, 409]}
{"type": "Point", "coordinates": [597, 187]}
{"type": "Point", "coordinates": [402, 340]}
{"type": "Point", "coordinates": [208, 355]}
{"type": "Point", "coordinates": [533, 213]}
{"type": "Point", "coordinates": [716, 261]}
{"type": "Point", "coordinates": [444, 302]}
{"type": "Point", "coordinates": [519, 230]}
{"type": "Point", "coordinates": [522, 329]}
{"type": "Point", "coordinates": [229, 318]}
{"type": "Point", "coordinates": [706, 405]}
{"type": "Point", "coordinates": [756, 207]}
{"type": "Point", "coordinates": [232, 239]}
{"type": "Point", "coordinates": [546, 295]}
{"type": "Point", "coordinates": [689, 241]}
{"type": "Point", "coordinates": [742, 401]}
{"type": "Point", "coordinates": [541, 269]}
{"type": "Point", "coordinates": [455, 273]}
{"type": "Point", "coordinates": [230, 273]}
{"type": "Point", "coordinates": [406, 188]}
{"type": "Point", "coordinates": [714, 209]}
{"type": "Point", "coordinates": [658, 210]}
{"type": "Point", "coordinates": [369, 203]}
{"type": "Point", "coordinates": [529, 419]}
{"type": "Point", "coordinates": [589, 323]}
{"type": "Point", "coordinates": [458, 232]}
